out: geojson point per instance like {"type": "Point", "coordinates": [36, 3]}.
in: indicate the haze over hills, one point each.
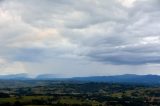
{"type": "Point", "coordinates": [22, 76]}
{"type": "Point", "coordinates": [126, 78]}
{"type": "Point", "coordinates": [46, 76]}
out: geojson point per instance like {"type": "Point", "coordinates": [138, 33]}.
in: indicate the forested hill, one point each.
{"type": "Point", "coordinates": [127, 78]}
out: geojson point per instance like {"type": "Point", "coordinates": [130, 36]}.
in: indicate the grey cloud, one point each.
{"type": "Point", "coordinates": [103, 31]}
{"type": "Point", "coordinates": [126, 58]}
{"type": "Point", "coordinates": [29, 55]}
{"type": "Point", "coordinates": [132, 55]}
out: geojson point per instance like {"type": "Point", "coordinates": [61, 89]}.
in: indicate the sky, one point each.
{"type": "Point", "coordinates": [79, 38]}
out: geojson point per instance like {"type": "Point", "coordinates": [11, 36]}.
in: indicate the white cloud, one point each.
{"type": "Point", "coordinates": [127, 3]}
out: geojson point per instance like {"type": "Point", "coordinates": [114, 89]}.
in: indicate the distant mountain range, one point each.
{"type": "Point", "coordinates": [22, 76]}
{"type": "Point", "coordinates": [127, 78]}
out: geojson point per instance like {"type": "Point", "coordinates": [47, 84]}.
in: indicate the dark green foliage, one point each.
{"type": "Point", "coordinates": [4, 95]}
{"type": "Point", "coordinates": [51, 93]}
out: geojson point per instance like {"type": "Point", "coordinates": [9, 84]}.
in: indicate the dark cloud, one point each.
{"type": "Point", "coordinates": [127, 55]}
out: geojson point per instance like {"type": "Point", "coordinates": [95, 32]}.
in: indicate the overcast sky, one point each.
{"type": "Point", "coordinates": [80, 37]}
